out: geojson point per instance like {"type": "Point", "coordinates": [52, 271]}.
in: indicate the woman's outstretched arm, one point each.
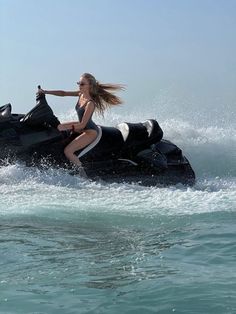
{"type": "Point", "coordinates": [61, 93]}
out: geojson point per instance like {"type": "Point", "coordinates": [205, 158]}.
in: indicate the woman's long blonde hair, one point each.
{"type": "Point", "coordinates": [101, 95]}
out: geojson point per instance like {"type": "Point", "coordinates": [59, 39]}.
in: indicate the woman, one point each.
{"type": "Point", "coordinates": [92, 96]}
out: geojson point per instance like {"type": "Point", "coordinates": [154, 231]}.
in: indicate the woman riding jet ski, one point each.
{"type": "Point", "coordinates": [129, 152]}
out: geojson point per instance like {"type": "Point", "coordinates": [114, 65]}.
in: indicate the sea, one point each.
{"type": "Point", "coordinates": [69, 245]}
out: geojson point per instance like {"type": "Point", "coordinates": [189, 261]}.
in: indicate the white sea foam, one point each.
{"type": "Point", "coordinates": [53, 192]}
{"type": "Point", "coordinates": [210, 149]}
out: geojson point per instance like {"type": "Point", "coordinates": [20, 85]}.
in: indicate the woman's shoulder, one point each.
{"type": "Point", "coordinates": [86, 104]}
{"type": "Point", "coordinates": [90, 103]}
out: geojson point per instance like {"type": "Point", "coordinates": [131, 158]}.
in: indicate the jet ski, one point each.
{"type": "Point", "coordinates": [129, 152]}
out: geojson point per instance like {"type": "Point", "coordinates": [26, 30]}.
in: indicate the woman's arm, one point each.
{"type": "Point", "coordinates": [59, 92]}
{"type": "Point", "coordinates": [72, 125]}
{"type": "Point", "coordinates": [89, 109]}
{"type": "Point", "coordinates": [78, 126]}
{"type": "Point", "coordinates": [68, 125]}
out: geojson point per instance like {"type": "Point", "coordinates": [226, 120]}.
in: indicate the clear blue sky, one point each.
{"type": "Point", "coordinates": [149, 45]}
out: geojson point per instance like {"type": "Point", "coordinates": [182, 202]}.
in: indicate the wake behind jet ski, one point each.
{"type": "Point", "coordinates": [129, 152]}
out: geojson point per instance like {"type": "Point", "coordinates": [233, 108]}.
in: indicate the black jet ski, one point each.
{"type": "Point", "coordinates": [129, 152]}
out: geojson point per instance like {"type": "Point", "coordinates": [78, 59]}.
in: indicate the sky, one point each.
{"type": "Point", "coordinates": [179, 49]}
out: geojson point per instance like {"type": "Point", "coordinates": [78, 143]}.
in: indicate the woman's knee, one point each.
{"type": "Point", "coordinates": [68, 152]}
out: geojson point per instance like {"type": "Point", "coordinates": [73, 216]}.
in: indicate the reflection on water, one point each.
{"type": "Point", "coordinates": [109, 265]}
{"type": "Point", "coordinates": [96, 256]}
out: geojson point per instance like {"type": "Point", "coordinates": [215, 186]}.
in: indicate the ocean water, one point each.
{"type": "Point", "coordinates": [69, 245]}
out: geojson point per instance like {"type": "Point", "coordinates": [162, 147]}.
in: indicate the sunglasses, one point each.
{"type": "Point", "coordinates": [82, 84]}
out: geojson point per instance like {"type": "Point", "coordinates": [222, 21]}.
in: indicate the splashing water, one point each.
{"type": "Point", "coordinates": [69, 243]}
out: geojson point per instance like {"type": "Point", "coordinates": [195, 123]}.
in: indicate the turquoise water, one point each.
{"type": "Point", "coordinates": [68, 245]}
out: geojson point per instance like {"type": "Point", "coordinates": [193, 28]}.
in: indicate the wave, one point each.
{"type": "Point", "coordinates": [56, 194]}
{"type": "Point", "coordinates": [53, 192]}
{"type": "Point", "coordinates": [210, 148]}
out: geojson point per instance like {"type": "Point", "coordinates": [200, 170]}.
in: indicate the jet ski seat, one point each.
{"type": "Point", "coordinates": [5, 112]}
{"type": "Point", "coordinates": [136, 133]}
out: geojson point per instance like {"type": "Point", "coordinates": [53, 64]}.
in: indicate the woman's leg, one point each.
{"type": "Point", "coordinates": [87, 137]}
